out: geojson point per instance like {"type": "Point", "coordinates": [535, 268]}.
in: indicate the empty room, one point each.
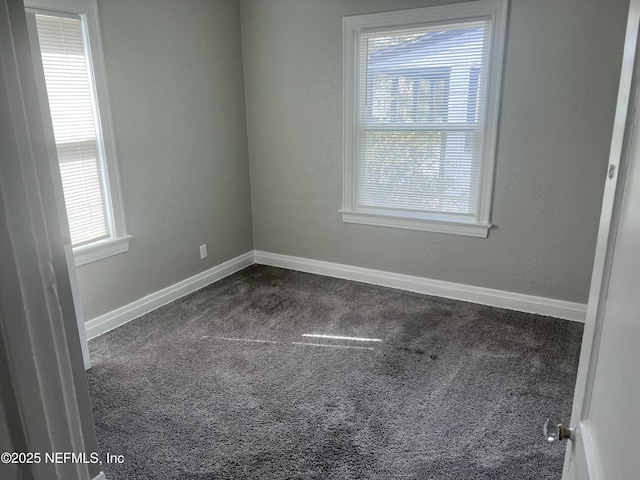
{"type": "Point", "coordinates": [319, 239]}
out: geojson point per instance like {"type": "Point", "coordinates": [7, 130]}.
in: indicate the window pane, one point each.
{"type": "Point", "coordinates": [419, 171]}
{"type": "Point", "coordinates": [422, 75]}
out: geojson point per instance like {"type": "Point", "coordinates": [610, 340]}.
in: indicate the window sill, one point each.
{"type": "Point", "coordinates": [451, 225]}
{"type": "Point", "coordinates": [102, 249]}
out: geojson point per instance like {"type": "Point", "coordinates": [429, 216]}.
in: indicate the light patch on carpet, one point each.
{"type": "Point", "coordinates": [338, 337]}
{"type": "Point", "coordinates": [332, 346]}
{"type": "Point", "coordinates": [253, 340]}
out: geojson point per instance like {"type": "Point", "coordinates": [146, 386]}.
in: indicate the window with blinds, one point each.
{"type": "Point", "coordinates": [421, 114]}
{"type": "Point", "coordinates": [420, 97]}
{"type": "Point", "coordinates": [69, 85]}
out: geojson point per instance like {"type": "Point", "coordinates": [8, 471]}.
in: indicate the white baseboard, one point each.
{"type": "Point", "coordinates": [457, 291]}
{"type": "Point", "coordinates": [120, 316]}
{"type": "Point", "coordinates": [100, 476]}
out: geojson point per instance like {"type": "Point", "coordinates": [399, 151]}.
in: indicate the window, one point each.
{"type": "Point", "coordinates": [68, 57]}
{"type": "Point", "coordinates": [421, 106]}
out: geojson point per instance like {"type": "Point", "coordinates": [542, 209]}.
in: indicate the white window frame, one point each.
{"type": "Point", "coordinates": [87, 10]}
{"type": "Point", "coordinates": [480, 224]}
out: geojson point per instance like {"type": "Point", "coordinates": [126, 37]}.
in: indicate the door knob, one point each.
{"type": "Point", "coordinates": [555, 431]}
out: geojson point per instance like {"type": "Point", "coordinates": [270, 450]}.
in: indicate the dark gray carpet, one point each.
{"type": "Point", "coordinates": [453, 391]}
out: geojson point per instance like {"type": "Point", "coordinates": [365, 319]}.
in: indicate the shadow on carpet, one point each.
{"type": "Point", "coordinates": [238, 380]}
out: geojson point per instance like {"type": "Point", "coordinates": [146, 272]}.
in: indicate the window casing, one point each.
{"type": "Point", "coordinates": [421, 91]}
{"type": "Point", "coordinates": [68, 61]}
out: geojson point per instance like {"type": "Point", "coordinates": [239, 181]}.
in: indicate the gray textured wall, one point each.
{"type": "Point", "coordinates": [559, 90]}
{"type": "Point", "coordinates": [174, 72]}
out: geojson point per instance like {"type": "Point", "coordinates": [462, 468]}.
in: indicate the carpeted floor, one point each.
{"type": "Point", "coordinates": [222, 384]}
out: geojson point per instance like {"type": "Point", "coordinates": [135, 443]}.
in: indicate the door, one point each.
{"type": "Point", "coordinates": [60, 209]}
{"type": "Point", "coordinates": [606, 413]}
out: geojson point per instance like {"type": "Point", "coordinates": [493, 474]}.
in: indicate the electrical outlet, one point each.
{"type": "Point", "coordinates": [203, 251]}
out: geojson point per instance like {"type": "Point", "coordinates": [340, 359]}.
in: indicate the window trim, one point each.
{"type": "Point", "coordinates": [118, 242]}
{"type": "Point", "coordinates": [478, 225]}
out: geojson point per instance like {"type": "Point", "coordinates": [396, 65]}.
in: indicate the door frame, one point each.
{"type": "Point", "coordinates": [43, 394]}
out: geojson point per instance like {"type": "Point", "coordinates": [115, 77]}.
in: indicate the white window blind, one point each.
{"type": "Point", "coordinates": [420, 116]}
{"type": "Point", "coordinates": [69, 84]}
